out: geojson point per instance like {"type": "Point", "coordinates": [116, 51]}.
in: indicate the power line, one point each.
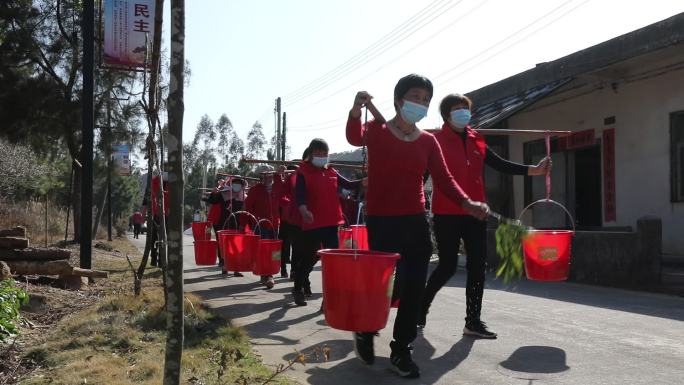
{"type": "Point", "coordinates": [394, 40]}
{"type": "Point", "coordinates": [406, 52]}
{"type": "Point", "coordinates": [360, 54]}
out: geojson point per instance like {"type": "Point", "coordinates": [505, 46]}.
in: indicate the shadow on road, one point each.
{"type": "Point", "coordinates": [655, 305]}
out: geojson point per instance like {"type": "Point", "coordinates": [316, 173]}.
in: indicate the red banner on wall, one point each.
{"type": "Point", "coordinates": [577, 139]}
{"type": "Point", "coordinates": [609, 210]}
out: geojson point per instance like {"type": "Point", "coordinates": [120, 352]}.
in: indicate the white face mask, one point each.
{"type": "Point", "coordinates": [319, 161]}
{"type": "Point", "coordinates": [236, 187]}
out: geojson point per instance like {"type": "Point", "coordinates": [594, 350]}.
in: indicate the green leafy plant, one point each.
{"type": "Point", "coordinates": [11, 298]}
{"type": "Point", "coordinates": [509, 237]}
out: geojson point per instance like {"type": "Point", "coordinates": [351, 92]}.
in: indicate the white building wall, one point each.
{"type": "Point", "coordinates": [642, 145]}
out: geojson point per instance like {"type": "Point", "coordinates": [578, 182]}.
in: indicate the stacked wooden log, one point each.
{"type": "Point", "coordinates": [24, 260]}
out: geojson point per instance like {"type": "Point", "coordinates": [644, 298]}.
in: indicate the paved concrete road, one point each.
{"type": "Point", "coordinates": [549, 333]}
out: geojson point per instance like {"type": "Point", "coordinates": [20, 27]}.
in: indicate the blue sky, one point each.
{"type": "Point", "coordinates": [244, 54]}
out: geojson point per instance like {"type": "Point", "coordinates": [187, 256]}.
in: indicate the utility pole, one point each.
{"type": "Point", "coordinates": [277, 154]}
{"type": "Point", "coordinates": [283, 137]}
{"type": "Point", "coordinates": [88, 28]}
{"type": "Point", "coordinates": [109, 166]}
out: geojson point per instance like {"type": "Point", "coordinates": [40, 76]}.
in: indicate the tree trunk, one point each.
{"type": "Point", "coordinates": [18, 231]}
{"type": "Point", "coordinates": [40, 268]}
{"type": "Point", "coordinates": [100, 211]}
{"type": "Point", "coordinates": [32, 254]}
{"type": "Point", "coordinates": [174, 269]}
{"type": "Point", "coordinates": [13, 243]}
{"type": "Point", "coordinates": [76, 204]}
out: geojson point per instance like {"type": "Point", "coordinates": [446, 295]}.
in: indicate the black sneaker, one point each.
{"type": "Point", "coordinates": [283, 274]}
{"type": "Point", "coordinates": [223, 272]}
{"type": "Point", "coordinates": [401, 361]}
{"type": "Point", "coordinates": [478, 329]}
{"type": "Point", "coordinates": [298, 297]}
{"type": "Point", "coordinates": [363, 347]}
{"type": "Point", "coordinates": [237, 274]}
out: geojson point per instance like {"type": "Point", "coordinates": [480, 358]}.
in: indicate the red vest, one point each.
{"type": "Point", "coordinates": [290, 211]}
{"type": "Point", "coordinates": [465, 163]}
{"type": "Point", "coordinates": [264, 204]}
{"type": "Point", "coordinates": [321, 196]}
{"type": "Point", "coordinates": [138, 218]}
{"type": "Point", "coordinates": [155, 192]}
{"type": "Point", "coordinates": [214, 214]}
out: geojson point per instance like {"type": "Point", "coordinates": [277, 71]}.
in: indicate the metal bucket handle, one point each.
{"type": "Point", "coordinates": [234, 216]}
{"type": "Point", "coordinates": [572, 220]}
{"type": "Point", "coordinates": [269, 221]}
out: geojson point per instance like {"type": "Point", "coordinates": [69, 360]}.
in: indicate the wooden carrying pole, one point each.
{"type": "Point", "coordinates": [237, 176]}
{"type": "Point", "coordinates": [488, 131]}
{"type": "Point", "coordinates": [295, 163]}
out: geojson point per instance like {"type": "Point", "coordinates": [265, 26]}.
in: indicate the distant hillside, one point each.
{"type": "Point", "coordinates": [353, 156]}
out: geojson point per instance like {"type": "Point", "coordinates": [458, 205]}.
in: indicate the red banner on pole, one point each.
{"type": "Point", "coordinates": [609, 210]}
{"type": "Point", "coordinates": [577, 139]}
{"type": "Point", "coordinates": [126, 24]}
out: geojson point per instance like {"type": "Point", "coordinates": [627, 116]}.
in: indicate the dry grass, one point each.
{"type": "Point", "coordinates": [119, 339]}
{"type": "Point", "coordinates": [31, 214]}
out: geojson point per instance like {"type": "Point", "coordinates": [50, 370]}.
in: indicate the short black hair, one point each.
{"type": "Point", "coordinates": [412, 81]}
{"type": "Point", "coordinates": [317, 144]}
{"type": "Point", "coordinates": [450, 101]}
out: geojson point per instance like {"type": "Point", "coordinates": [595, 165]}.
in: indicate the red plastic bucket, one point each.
{"type": "Point", "coordinates": [221, 235]}
{"type": "Point", "coordinates": [239, 251]}
{"type": "Point", "coordinates": [205, 252]}
{"type": "Point", "coordinates": [357, 288]}
{"type": "Point", "coordinates": [201, 231]}
{"type": "Point", "coordinates": [353, 237]}
{"type": "Point", "coordinates": [547, 254]}
{"type": "Point", "coordinates": [267, 261]}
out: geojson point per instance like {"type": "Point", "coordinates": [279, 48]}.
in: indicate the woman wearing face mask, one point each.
{"type": "Point", "coordinates": [227, 198]}
{"type": "Point", "coordinates": [398, 155]}
{"type": "Point", "coordinates": [316, 198]}
{"type": "Point", "coordinates": [466, 153]}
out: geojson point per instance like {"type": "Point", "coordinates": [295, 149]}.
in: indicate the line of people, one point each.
{"type": "Point", "coordinates": [304, 205]}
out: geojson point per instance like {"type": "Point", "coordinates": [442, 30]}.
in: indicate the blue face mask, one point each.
{"type": "Point", "coordinates": [413, 112]}
{"type": "Point", "coordinates": [319, 161]}
{"type": "Point", "coordinates": [460, 118]}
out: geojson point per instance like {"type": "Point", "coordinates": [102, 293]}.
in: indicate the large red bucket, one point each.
{"type": "Point", "coordinates": [547, 254]}
{"type": "Point", "coordinates": [353, 237]}
{"type": "Point", "coordinates": [205, 252]}
{"type": "Point", "coordinates": [201, 231]}
{"type": "Point", "coordinates": [357, 288]}
{"type": "Point", "coordinates": [267, 261]}
{"type": "Point", "coordinates": [239, 251]}
{"type": "Point", "coordinates": [222, 244]}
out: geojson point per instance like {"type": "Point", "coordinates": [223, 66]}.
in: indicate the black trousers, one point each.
{"type": "Point", "coordinates": [310, 241]}
{"type": "Point", "coordinates": [136, 230]}
{"type": "Point", "coordinates": [286, 234]}
{"type": "Point", "coordinates": [449, 230]}
{"type": "Point", "coordinates": [409, 236]}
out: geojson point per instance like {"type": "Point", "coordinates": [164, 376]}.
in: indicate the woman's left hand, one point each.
{"type": "Point", "coordinates": [542, 168]}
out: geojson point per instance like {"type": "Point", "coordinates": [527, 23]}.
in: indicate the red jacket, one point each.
{"type": "Point", "coordinates": [138, 218]}
{"type": "Point", "coordinates": [290, 211]}
{"type": "Point", "coordinates": [321, 196]}
{"type": "Point", "coordinates": [214, 214]}
{"type": "Point", "coordinates": [264, 204]}
{"type": "Point", "coordinates": [155, 193]}
{"type": "Point", "coordinates": [465, 163]}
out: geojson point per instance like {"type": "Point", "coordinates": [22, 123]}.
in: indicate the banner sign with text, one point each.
{"type": "Point", "coordinates": [126, 22]}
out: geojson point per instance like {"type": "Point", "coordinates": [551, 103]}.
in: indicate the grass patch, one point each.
{"type": "Point", "coordinates": [120, 340]}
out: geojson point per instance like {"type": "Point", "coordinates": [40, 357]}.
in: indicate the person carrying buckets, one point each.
{"type": "Point", "coordinates": [156, 215]}
{"type": "Point", "coordinates": [263, 201]}
{"type": "Point", "coordinates": [290, 224]}
{"type": "Point", "coordinates": [399, 153]}
{"type": "Point", "coordinates": [466, 153]}
{"type": "Point", "coordinates": [317, 202]}
{"type": "Point", "coordinates": [225, 199]}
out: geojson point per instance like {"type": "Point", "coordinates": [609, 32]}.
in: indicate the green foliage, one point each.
{"type": "Point", "coordinates": [509, 237]}
{"type": "Point", "coordinates": [11, 298]}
